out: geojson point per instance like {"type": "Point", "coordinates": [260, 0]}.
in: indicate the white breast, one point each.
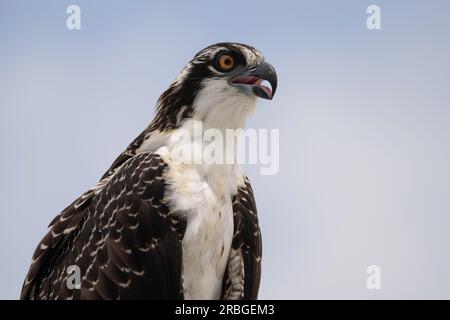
{"type": "Point", "coordinates": [208, 236]}
{"type": "Point", "coordinates": [203, 194]}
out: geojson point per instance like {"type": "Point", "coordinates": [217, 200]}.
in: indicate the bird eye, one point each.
{"type": "Point", "coordinates": [226, 62]}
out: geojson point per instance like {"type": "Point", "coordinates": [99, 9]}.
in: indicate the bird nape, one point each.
{"type": "Point", "coordinates": [157, 226]}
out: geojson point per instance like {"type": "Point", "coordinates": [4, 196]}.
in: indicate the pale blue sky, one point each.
{"type": "Point", "coordinates": [363, 117]}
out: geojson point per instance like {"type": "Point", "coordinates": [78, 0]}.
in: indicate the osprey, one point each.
{"type": "Point", "coordinates": [155, 227]}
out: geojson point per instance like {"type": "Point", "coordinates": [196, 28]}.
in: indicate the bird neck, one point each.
{"type": "Point", "coordinates": [219, 108]}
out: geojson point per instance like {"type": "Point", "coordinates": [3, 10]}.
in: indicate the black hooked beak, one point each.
{"type": "Point", "coordinates": [253, 80]}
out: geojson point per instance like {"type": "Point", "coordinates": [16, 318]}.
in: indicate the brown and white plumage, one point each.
{"type": "Point", "coordinates": [154, 227]}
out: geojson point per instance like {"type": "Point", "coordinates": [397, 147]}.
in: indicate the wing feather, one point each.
{"type": "Point", "coordinates": [120, 236]}
{"type": "Point", "coordinates": [243, 273]}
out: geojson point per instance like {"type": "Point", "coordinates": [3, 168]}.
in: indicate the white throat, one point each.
{"type": "Point", "coordinates": [221, 106]}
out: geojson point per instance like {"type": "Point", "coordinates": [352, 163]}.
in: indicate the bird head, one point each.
{"type": "Point", "coordinates": [219, 87]}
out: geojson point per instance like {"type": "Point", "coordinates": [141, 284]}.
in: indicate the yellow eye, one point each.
{"type": "Point", "coordinates": [226, 62]}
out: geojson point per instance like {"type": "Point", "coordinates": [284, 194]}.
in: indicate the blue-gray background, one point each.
{"type": "Point", "coordinates": [363, 116]}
